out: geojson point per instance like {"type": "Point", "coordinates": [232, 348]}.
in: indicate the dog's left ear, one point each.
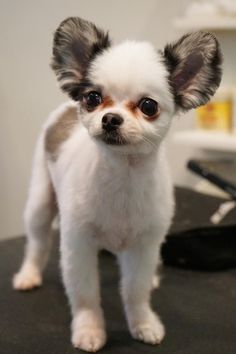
{"type": "Point", "coordinates": [76, 43]}
{"type": "Point", "coordinates": [194, 65]}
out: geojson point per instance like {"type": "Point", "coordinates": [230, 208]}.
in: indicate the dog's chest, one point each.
{"type": "Point", "coordinates": [122, 205]}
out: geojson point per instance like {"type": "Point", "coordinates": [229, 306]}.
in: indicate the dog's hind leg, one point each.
{"type": "Point", "coordinates": [39, 213]}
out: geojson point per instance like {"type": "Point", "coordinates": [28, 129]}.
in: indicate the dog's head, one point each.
{"type": "Point", "coordinates": [128, 93]}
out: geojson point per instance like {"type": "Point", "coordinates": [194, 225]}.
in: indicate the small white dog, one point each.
{"type": "Point", "coordinates": [100, 163]}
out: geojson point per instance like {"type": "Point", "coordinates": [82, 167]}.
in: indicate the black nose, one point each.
{"type": "Point", "coordinates": [111, 121]}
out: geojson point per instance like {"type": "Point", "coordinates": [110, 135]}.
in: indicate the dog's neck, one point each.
{"type": "Point", "coordinates": [134, 161]}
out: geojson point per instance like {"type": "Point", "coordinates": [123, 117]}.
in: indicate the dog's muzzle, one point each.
{"type": "Point", "coordinates": [111, 123]}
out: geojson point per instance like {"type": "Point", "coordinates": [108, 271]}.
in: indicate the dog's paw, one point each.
{"type": "Point", "coordinates": [89, 339]}
{"type": "Point", "coordinates": [88, 330]}
{"type": "Point", "coordinates": [149, 332]}
{"type": "Point", "coordinates": [27, 279]}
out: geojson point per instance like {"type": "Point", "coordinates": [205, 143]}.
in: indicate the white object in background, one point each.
{"type": "Point", "coordinates": [228, 6]}
{"type": "Point", "coordinates": [208, 188]}
{"type": "Point", "coordinates": [207, 22]}
{"type": "Point", "coordinates": [222, 211]}
{"type": "Point", "coordinates": [204, 140]}
{"type": "Point", "coordinates": [211, 7]}
{"type": "Point", "coordinates": [224, 208]}
{"type": "Point", "coordinates": [199, 8]}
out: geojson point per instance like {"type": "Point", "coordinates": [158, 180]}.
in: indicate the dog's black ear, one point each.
{"type": "Point", "coordinates": [76, 43]}
{"type": "Point", "coordinates": [194, 65]}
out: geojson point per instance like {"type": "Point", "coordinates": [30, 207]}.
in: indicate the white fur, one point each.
{"type": "Point", "coordinates": [109, 197]}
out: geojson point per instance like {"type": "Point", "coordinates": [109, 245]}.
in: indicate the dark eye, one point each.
{"type": "Point", "coordinates": [148, 106]}
{"type": "Point", "coordinates": [92, 99]}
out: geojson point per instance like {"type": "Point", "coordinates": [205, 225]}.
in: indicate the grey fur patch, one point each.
{"type": "Point", "coordinates": [194, 63]}
{"type": "Point", "coordinates": [76, 43]}
{"type": "Point", "coordinates": [57, 133]}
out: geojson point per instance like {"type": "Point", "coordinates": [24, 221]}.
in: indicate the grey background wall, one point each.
{"type": "Point", "coordinates": [28, 89]}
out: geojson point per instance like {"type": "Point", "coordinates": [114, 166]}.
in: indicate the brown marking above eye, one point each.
{"type": "Point", "coordinates": [132, 107]}
{"type": "Point", "coordinates": [106, 102]}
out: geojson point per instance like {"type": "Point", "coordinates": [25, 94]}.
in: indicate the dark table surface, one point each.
{"type": "Point", "coordinates": [197, 308]}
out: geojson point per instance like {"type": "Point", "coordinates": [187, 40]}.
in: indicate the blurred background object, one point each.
{"type": "Point", "coordinates": [212, 7]}
{"type": "Point", "coordinates": [29, 92]}
{"type": "Point", "coordinates": [217, 115]}
{"type": "Point", "coordinates": [213, 132]}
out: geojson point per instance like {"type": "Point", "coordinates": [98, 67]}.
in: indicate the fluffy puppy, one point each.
{"type": "Point", "coordinates": [100, 164]}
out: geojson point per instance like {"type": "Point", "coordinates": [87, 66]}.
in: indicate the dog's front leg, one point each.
{"type": "Point", "coordinates": [80, 275]}
{"type": "Point", "coordinates": [138, 266]}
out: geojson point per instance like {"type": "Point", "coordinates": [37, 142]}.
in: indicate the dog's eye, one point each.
{"type": "Point", "coordinates": [148, 106]}
{"type": "Point", "coordinates": [92, 99]}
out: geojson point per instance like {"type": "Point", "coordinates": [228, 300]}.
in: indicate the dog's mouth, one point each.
{"type": "Point", "coordinates": [113, 138]}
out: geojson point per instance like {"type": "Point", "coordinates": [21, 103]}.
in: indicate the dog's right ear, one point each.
{"type": "Point", "coordinates": [76, 43]}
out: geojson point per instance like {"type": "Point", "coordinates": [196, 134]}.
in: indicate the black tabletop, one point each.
{"type": "Point", "coordinates": [197, 308]}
